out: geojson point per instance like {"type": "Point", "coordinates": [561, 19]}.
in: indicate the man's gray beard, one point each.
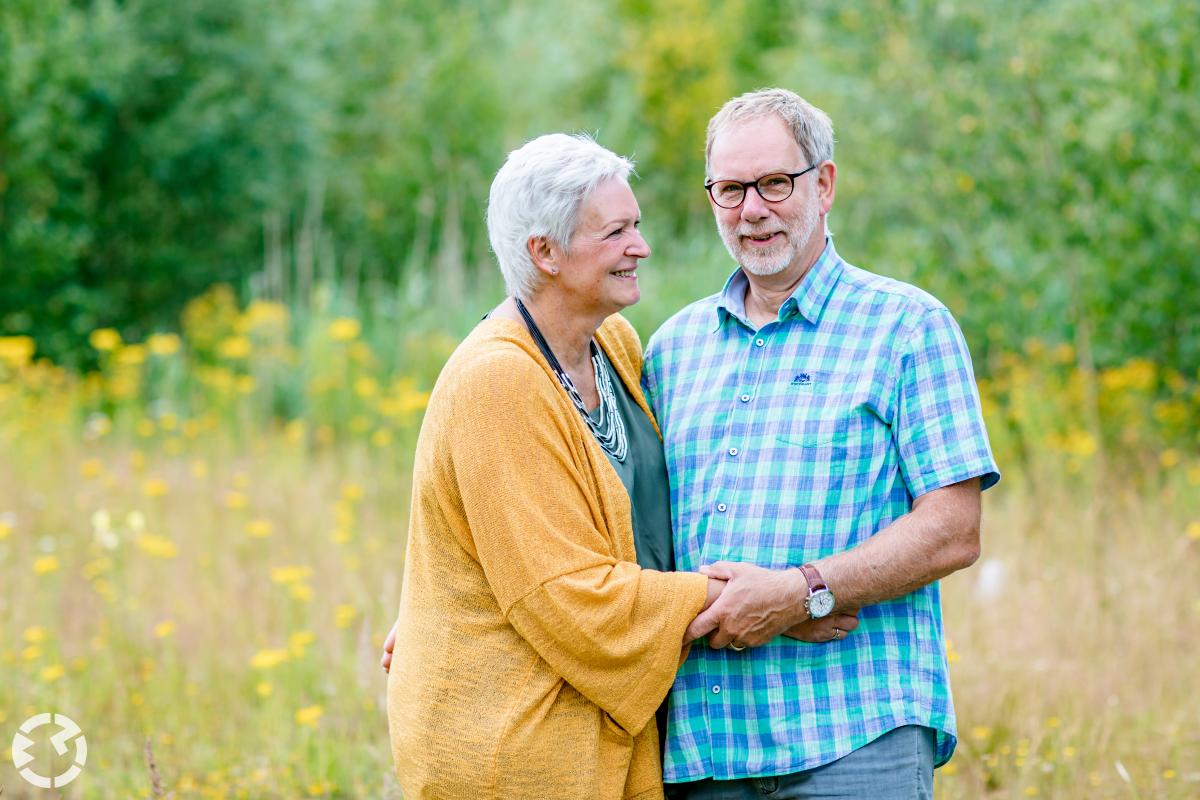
{"type": "Point", "coordinates": [764, 265]}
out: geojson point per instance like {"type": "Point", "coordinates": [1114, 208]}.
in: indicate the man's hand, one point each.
{"type": "Point", "coordinates": [826, 629]}
{"type": "Point", "coordinates": [389, 644]}
{"type": "Point", "coordinates": [756, 605]}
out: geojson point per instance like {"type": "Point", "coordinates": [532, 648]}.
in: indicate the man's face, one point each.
{"type": "Point", "coordinates": [765, 238]}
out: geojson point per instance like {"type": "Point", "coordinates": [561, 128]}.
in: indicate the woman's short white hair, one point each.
{"type": "Point", "coordinates": [538, 192]}
{"type": "Point", "coordinates": [810, 126]}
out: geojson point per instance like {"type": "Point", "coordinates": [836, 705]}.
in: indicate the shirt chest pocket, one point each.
{"type": "Point", "coordinates": [834, 411]}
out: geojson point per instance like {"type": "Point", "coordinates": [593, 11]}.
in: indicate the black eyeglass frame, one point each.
{"type": "Point", "coordinates": [791, 176]}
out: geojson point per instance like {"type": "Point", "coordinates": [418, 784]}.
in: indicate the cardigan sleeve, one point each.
{"type": "Point", "coordinates": [611, 629]}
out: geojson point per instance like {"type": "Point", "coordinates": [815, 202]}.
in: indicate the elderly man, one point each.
{"type": "Point", "coordinates": [826, 453]}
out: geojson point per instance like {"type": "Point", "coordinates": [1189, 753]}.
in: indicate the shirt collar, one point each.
{"type": "Point", "coordinates": [807, 300]}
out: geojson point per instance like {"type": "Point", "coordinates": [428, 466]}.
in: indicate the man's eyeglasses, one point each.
{"type": "Point", "coordinates": [773, 188]}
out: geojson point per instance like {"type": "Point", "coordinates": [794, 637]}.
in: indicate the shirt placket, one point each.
{"type": "Point", "coordinates": [722, 697]}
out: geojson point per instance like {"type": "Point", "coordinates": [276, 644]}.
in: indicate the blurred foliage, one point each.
{"type": "Point", "coordinates": [1032, 164]}
{"type": "Point", "coordinates": [201, 541]}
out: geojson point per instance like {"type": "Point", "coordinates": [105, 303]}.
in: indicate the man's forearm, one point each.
{"type": "Point", "coordinates": [939, 536]}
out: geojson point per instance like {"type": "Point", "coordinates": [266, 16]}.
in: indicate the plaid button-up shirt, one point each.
{"type": "Point", "coordinates": [792, 442]}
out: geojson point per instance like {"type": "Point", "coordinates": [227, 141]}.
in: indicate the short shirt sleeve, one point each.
{"type": "Point", "coordinates": [938, 427]}
{"type": "Point", "coordinates": [650, 377]}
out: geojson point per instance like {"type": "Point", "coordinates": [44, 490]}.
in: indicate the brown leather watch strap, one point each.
{"type": "Point", "coordinates": [813, 576]}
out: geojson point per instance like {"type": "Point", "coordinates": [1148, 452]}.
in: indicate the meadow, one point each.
{"type": "Point", "coordinates": [201, 543]}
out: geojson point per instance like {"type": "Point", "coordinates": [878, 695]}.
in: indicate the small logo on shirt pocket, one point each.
{"type": "Point", "coordinates": [802, 379]}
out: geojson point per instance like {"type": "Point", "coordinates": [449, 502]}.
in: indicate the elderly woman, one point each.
{"type": "Point", "coordinates": [540, 623]}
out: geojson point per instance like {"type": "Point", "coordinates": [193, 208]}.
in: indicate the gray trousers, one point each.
{"type": "Point", "coordinates": [896, 766]}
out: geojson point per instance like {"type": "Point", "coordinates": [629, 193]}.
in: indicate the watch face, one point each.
{"type": "Point", "coordinates": [820, 603]}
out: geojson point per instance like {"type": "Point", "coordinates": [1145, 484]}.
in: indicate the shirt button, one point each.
{"type": "Point", "coordinates": [716, 689]}
{"type": "Point", "coordinates": [733, 451]}
{"type": "Point", "coordinates": [745, 398]}
{"type": "Point", "coordinates": [760, 342]}
{"type": "Point", "coordinates": [721, 506]}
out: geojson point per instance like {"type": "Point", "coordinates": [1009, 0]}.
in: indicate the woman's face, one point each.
{"type": "Point", "coordinates": [600, 267]}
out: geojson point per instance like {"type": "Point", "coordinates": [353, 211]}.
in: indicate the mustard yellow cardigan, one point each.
{"type": "Point", "coordinates": [532, 651]}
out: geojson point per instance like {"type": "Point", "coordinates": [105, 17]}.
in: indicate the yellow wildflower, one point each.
{"type": "Point", "coordinates": [302, 592]}
{"type": "Point", "coordinates": [235, 347]}
{"type": "Point", "coordinates": [45, 565]}
{"type": "Point", "coordinates": [344, 329]}
{"type": "Point", "coordinates": [299, 641]}
{"type": "Point", "coordinates": [268, 659]}
{"type": "Point", "coordinates": [35, 634]}
{"type": "Point", "coordinates": [263, 313]}
{"type": "Point", "coordinates": [366, 387]}
{"type": "Point", "coordinates": [5, 530]}
{"type": "Point", "coordinates": [295, 430]}
{"type": "Point", "coordinates": [344, 615]}
{"type": "Point", "coordinates": [132, 355]}
{"type": "Point", "coordinates": [381, 438]}
{"type": "Point", "coordinates": [157, 546]}
{"type": "Point", "coordinates": [16, 350]}
{"type": "Point", "coordinates": [290, 574]}
{"type": "Point", "coordinates": [236, 500]}
{"type": "Point", "coordinates": [980, 732]}
{"type": "Point", "coordinates": [1193, 531]}
{"type": "Point", "coordinates": [309, 716]}
{"type": "Point", "coordinates": [259, 528]}
{"type": "Point", "coordinates": [164, 629]}
{"type": "Point", "coordinates": [352, 492]}
{"type": "Point", "coordinates": [104, 339]}
{"type": "Point", "coordinates": [163, 344]}
{"type": "Point", "coordinates": [1168, 458]}
{"type": "Point", "coordinates": [263, 689]}
{"type": "Point", "coordinates": [32, 652]}
{"type": "Point", "coordinates": [155, 487]}
{"type": "Point", "coordinates": [52, 673]}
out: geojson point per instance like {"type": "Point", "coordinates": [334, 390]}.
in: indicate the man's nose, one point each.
{"type": "Point", "coordinates": [754, 207]}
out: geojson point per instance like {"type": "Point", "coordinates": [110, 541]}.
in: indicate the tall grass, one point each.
{"type": "Point", "coordinates": [201, 545]}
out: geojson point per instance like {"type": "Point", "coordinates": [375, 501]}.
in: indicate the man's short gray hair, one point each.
{"type": "Point", "coordinates": [810, 126]}
{"type": "Point", "coordinates": [539, 192]}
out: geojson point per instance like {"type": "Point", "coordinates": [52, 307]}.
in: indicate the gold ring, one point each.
{"type": "Point", "coordinates": [736, 647]}
{"type": "Point", "coordinates": [837, 634]}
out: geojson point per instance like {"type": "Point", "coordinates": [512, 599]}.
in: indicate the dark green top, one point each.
{"type": "Point", "coordinates": [644, 473]}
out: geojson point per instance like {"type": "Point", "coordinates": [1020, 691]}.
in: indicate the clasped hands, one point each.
{"type": "Point", "coordinates": [756, 604]}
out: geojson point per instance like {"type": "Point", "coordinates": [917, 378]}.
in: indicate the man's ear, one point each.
{"type": "Point", "coordinates": [827, 185]}
{"type": "Point", "coordinates": [545, 254]}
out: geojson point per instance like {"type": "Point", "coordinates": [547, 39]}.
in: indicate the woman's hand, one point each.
{"type": "Point", "coordinates": [825, 629]}
{"type": "Point", "coordinates": [715, 586]}
{"type": "Point", "coordinates": [389, 644]}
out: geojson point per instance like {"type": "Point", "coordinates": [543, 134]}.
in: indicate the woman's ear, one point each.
{"type": "Point", "coordinates": [545, 254]}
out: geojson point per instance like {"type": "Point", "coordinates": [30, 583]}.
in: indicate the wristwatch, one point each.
{"type": "Point", "coordinates": [820, 600]}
